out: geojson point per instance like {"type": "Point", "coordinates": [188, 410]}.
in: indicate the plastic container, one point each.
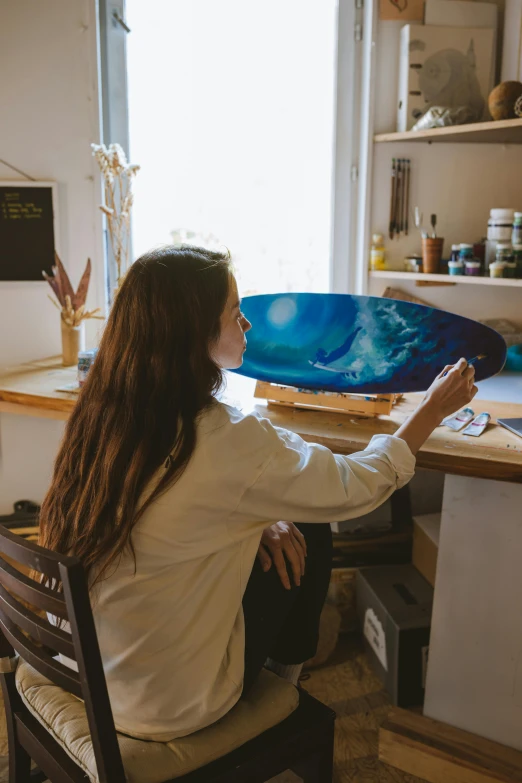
{"type": "Point", "coordinates": [454, 252]}
{"type": "Point", "coordinates": [377, 253]}
{"type": "Point", "coordinates": [504, 252]}
{"type": "Point", "coordinates": [455, 267]}
{"type": "Point", "coordinates": [412, 263]}
{"type": "Point", "coordinates": [500, 224]}
{"type": "Point", "coordinates": [496, 269]}
{"type": "Point", "coordinates": [516, 234]}
{"type": "Point", "coordinates": [465, 251]}
{"type": "Point", "coordinates": [472, 267]}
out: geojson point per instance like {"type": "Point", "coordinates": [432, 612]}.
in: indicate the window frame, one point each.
{"type": "Point", "coordinates": [346, 219]}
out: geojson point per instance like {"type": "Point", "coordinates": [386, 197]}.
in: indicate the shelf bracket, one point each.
{"type": "Point", "coordinates": [425, 283]}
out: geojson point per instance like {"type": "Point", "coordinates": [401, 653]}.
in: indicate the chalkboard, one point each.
{"type": "Point", "coordinates": [27, 230]}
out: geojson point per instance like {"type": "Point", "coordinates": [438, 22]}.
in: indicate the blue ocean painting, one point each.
{"type": "Point", "coordinates": [360, 344]}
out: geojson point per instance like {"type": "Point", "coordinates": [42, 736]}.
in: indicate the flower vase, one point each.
{"type": "Point", "coordinates": [73, 341]}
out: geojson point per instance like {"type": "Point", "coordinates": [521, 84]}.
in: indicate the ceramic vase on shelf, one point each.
{"type": "Point", "coordinates": [73, 341]}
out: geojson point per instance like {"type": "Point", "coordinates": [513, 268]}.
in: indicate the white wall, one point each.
{"type": "Point", "coordinates": [458, 182]}
{"type": "Point", "coordinates": [50, 114]}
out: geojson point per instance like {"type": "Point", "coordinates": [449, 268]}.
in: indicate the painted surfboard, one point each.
{"type": "Point", "coordinates": [360, 344]}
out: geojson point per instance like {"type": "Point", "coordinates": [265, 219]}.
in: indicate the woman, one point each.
{"type": "Point", "coordinates": [167, 495]}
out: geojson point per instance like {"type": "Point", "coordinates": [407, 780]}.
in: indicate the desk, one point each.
{"type": "Point", "coordinates": [479, 579]}
{"type": "Point", "coordinates": [30, 389]}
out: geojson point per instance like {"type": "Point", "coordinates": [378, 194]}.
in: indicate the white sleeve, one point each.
{"type": "Point", "coordinates": [305, 482]}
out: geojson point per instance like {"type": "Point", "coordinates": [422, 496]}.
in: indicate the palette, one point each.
{"type": "Point", "coordinates": [360, 344]}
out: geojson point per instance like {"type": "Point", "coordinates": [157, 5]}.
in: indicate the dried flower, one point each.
{"type": "Point", "coordinates": [117, 175]}
{"type": "Point", "coordinates": [71, 304]}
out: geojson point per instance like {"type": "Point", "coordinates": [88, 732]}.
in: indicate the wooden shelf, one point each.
{"type": "Point", "coordinates": [394, 274]}
{"type": "Point", "coordinates": [500, 132]}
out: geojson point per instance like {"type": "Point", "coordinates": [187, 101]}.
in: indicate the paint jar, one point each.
{"type": "Point", "coordinates": [479, 251]}
{"type": "Point", "coordinates": [454, 252]}
{"type": "Point", "coordinates": [413, 263]}
{"type": "Point", "coordinates": [472, 267]}
{"type": "Point", "coordinates": [504, 252]}
{"type": "Point", "coordinates": [496, 269]}
{"type": "Point", "coordinates": [455, 267]}
{"type": "Point", "coordinates": [465, 252]}
{"type": "Point", "coordinates": [500, 224]}
{"type": "Point", "coordinates": [517, 258]}
{"type": "Point", "coordinates": [510, 269]}
{"type": "Point", "coordinates": [516, 234]}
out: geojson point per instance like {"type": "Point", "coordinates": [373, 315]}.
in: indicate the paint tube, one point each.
{"type": "Point", "coordinates": [478, 425]}
{"type": "Point", "coordinates": [459, 420]}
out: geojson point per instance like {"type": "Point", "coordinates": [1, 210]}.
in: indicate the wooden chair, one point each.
{"type": "Point", "coordinates": [62, 719]}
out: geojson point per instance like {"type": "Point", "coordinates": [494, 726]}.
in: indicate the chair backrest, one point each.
{"type": "Point", "coordinates": [63, 594]}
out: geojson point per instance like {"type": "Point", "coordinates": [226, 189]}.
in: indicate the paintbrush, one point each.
{"type": "Point", "coordinates": [393, 197]}
{"type": "Point", "coordinates": [472, 362]}
{"type": "Point", "coordinates": [398, 203]}
{"type": "Point", "coordinates": [417, 217]}
{"type": "Point", "coordinates": [407, 196]}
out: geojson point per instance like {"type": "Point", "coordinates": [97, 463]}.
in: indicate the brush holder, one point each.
{"type": "Point", "coordinates": [432, 254]}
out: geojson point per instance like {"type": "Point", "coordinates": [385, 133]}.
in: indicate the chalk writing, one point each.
{"type": "Point", "coordinates": [26, 231]}
{"type": "Point", "coordinates": [13, 208]}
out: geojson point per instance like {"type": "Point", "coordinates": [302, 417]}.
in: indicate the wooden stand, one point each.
{"type": "Point", "coordinates": [354, 404]}
{"type": "Point", "coordinates": [440, 753]}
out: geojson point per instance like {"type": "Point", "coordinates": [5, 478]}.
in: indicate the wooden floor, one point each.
{"type": "Point", "coordinates": [348, 685]}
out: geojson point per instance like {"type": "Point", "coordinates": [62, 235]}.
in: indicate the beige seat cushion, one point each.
{"type": "Point", "coordinates": [270, 701]}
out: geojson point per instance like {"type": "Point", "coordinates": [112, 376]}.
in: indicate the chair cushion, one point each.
{"type": "Point", "coordinates": [269, 701]}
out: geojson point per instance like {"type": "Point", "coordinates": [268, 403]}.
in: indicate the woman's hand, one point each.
{"type": "Point", "coordinates": [280, 540]}
{"type": "Point", "coordinates": [453, 388]}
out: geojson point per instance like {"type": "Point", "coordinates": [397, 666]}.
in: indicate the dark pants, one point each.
{"type": "Point", "coordinates": [284, 624]}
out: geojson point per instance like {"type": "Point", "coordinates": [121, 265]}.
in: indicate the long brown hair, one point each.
{"type": "Point", "coordinates": [152, 376]}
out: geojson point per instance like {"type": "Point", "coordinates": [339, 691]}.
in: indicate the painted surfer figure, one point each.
{"type": "Point", "coordinates": [323, 359]}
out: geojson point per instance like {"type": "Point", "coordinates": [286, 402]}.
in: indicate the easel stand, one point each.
{"type": "Point", "coordinates": [354, 404]}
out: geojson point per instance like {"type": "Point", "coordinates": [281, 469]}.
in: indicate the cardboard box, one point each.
{"type": "Point", "coordinates": [394, 605]}
{"type": "Point", "coordinates": [426, 533]}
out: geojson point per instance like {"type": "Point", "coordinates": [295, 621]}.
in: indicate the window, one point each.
{"type": "Point", "coordinates": [231, 117]}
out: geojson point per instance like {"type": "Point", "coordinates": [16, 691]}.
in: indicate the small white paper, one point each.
{"type": "Point", "coordinates": [374, 633]}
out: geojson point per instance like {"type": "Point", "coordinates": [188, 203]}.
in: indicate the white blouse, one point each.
{"type": "Point", "coordinates": [171, 631]}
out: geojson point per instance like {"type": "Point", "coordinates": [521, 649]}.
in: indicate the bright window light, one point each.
{"type": "Point", "coordinates": [231, 120]}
